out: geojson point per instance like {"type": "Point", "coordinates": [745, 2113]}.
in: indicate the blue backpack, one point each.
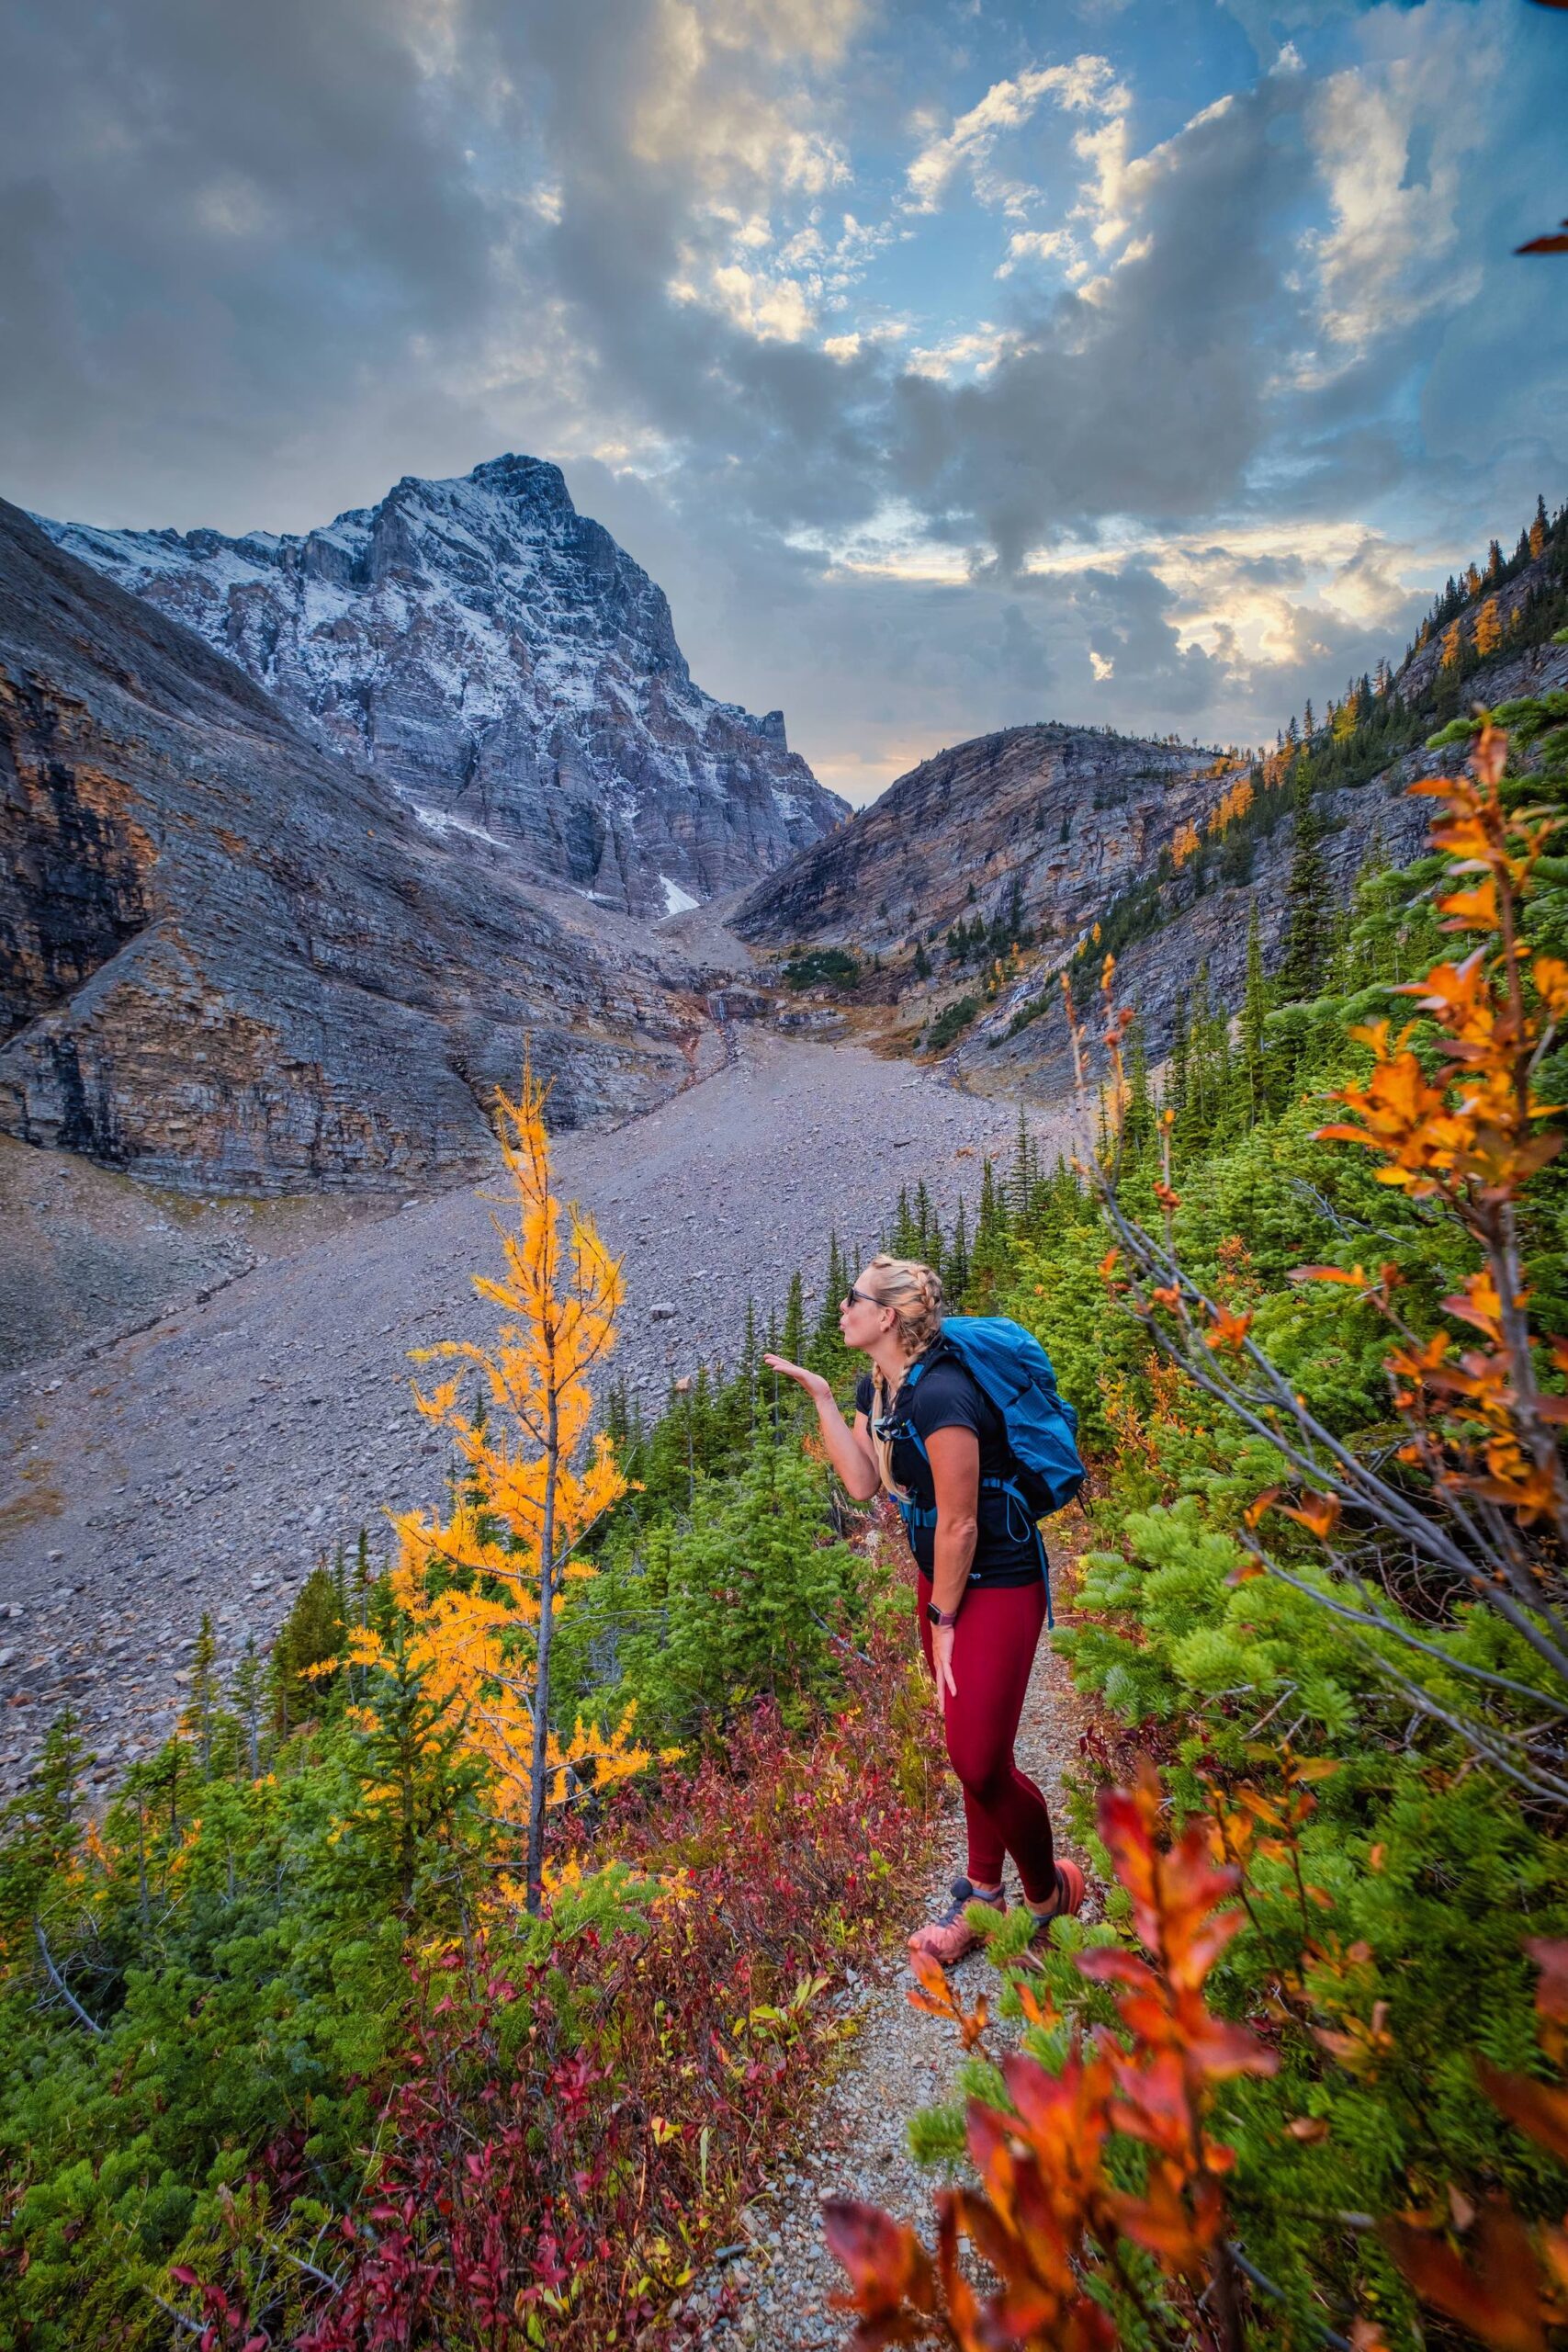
{"type": "Point", "coordinates": [1012, 1368]}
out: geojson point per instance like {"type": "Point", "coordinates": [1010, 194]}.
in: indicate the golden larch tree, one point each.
{"type": "Point", "coordinates": [1453, 646]}
{"type": "Point", "coordinates": [1231, 806]}
{"type": "Point", "coordinates": [1488, 628]}
{"type": "Point", "coordinates": [479, 1589]}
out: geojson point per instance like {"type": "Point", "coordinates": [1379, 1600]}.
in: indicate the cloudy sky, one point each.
{"type": "Point", "coordinates": [950, 364]}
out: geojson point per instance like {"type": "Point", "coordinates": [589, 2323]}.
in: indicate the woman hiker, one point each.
{"type": "Point", "coordinates": [982, 1582]}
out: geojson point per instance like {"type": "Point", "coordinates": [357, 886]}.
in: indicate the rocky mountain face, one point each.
{"type": "Point", "coordinates": [1069, 813]}
{"type": "Point", "coordinates": [1207, 937]}
{"type": "Point", "coordinates": [499, 661]}
{"type": "Point", "coordinates": [1074, 821]}
{"type": "Point", "coordinates": [230, 960]}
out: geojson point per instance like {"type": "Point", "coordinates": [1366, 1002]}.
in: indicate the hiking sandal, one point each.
{"type": "Point", "coordinates": [948, 1937]}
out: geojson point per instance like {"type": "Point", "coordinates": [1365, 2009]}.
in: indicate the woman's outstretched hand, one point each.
{"type": "Point", "coordinates": [813, 1383]}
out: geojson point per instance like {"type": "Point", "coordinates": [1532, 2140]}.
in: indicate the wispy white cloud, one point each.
{"type": "Point", "coordinates": [974, 352]}
{"type": "Point", "coordinates": [1087, 84]}
{"type": "Point", "coordinates": [1035, 244]}
{"type": "Point", "coordinates": [1393, 252]}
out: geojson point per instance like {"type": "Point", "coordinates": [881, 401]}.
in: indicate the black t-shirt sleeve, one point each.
{"type": "Point", "coordinates": [946, 1398]}
{"type": "Point", "coordinates": [866, 1395]}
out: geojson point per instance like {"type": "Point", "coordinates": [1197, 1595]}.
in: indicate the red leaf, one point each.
{"type": "Point", "coordinates": [887, 2265]}
{"type": "Point", "coordinates": [1498, 2299]}
{"type": "Point", "coordinates": [1550, 1956]}
{"type": "Point", "coordinates": [1540, 2112]}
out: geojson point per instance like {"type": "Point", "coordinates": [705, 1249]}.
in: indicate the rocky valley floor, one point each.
{"type": "Point", "coordinates": [210, 1458]}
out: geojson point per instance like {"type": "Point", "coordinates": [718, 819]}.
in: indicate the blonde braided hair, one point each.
{"type": "Point", "coordinates": [914, 1293]}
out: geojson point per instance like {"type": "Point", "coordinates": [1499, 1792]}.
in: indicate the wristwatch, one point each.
{"type": "Point", "coordinates": [940, 1616]}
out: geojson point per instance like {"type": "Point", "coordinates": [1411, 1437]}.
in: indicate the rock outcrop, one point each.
{"type": "Point", "coordinates": [232, 961]}
{"type": "Point", "coordinates": [1074, 821]}
{"type": "Point", "coordinates": [502, 663]}
{"type": "Point", "coordinates": [1069, 813]}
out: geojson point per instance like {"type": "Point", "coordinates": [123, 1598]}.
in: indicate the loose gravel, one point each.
{"type": "Point", "coordinates": [209, 1460]}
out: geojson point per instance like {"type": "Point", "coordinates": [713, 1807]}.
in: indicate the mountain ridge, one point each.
{"type": "Point", "coordinates": [1079, 837]}
{"type": "Point", "coordinates": [508, 668]}
{"type": "Point", "coordinates": [231, 960]}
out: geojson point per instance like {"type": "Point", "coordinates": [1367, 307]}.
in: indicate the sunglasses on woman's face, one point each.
{"type": "Point", "coordinates": [852, 1296]}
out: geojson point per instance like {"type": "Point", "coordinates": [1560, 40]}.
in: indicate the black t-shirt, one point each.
{"type": "Point", "coordinates": [946, 1396]}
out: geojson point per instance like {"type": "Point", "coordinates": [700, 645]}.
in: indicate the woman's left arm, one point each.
{"type": "Point", "coordinates": [954, 1457]}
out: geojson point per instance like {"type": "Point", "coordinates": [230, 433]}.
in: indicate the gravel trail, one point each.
{"type": "Point", "coordinates": [901, 2059]}
{"type": "Point", "coordinates": [209, 1460]}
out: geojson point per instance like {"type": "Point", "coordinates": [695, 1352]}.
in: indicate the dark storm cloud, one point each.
{"type": "Point", "coordinates": [221, 221]}
{"type": "Point", "coordinates": [1147, 401]}
{"type": "Point", "coordinates": [1130, 618]}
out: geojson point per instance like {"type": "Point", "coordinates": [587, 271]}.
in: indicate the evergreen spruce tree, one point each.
{"type": "Point", "coordinates": [825, 1351]}
{"type": "Point", "coordinates": [705, 1437]}
{"type": "Point", "coordinates": [200, 1712]}
{"type": "Point", "coordinates": [955, 1263]}
{"type": "Point", "coordinates": [927, 1228]}
{"type": "Point", "coordinates": [793, 1337]}
{"type": "Point", "coordinates": [1251, 1065]}
{"type": "Point", "coordinates": [743, 1427]}
{"type": "Point", "coordinates": [248, 1689]}
{"type": "Point", "coordinates": [416, 1780]}
{"type": "Point", "coordinates": [1176, 1071]}
{"type": "Point", "coordinates": [906, 1237]}
{"type": "Point", "coordinates": [1139, 1124]}
{"type": "Point", "coordinates": [1022, 1182]}
{"type": "Point", "coordinates": [1195, 1117]}
{"type": "Point", "coordinates": [991, 1260]}
{"type": "Point", "coordinates": [41, 1825]}
{"type": "Point", "coordinates": [311, 1634]}
{"type": "Point", "coordinates": [1301, 965]}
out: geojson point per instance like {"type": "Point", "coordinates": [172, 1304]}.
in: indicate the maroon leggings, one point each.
{"type": "Point", "coordinates": [993, 1652]}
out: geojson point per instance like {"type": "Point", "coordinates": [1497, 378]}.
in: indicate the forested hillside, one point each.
{"type": "Point", "coordinates": [1313, 1299]}
{"type": "Point", "coordinates": [963, 894]}
{"type": "Point", "coordinates": [452, 1975]}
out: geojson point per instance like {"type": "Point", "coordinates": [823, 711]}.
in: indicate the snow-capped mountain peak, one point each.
{"type": "Point", "coordinates": [504, 663]}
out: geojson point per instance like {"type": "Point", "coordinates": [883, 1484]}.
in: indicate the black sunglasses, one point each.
{"type": "Point", "coordinates": [852, 1294]}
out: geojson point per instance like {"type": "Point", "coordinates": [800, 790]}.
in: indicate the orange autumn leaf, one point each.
{"type": "Point", "coordinates": [1319, 1514]}
{"type": "Point", "coordinates": [1227, 1329]}
{"type": "Point", "coordinates": [1472, 910]}
{"type": "Point", "coordinates": [1539, 2110]}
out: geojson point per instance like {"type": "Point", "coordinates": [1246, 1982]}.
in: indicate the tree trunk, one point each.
{"type": "Point", "coordinates": [536, 1792]}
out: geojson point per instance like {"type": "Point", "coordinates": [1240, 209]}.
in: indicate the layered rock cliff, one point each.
{"type": "Point", "coordinates": [1068, 813]}
{"type": "Point", "coordinates": [502, 663]}
{"type": "Point", "coordinates": [1062, 829]}
{"type": "Point", "coordinates": [232, 961]}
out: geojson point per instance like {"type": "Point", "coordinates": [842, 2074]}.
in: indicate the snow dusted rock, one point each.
{"type": "Point", "coordinates": [496, 657]}
{"type": "Point", "coordinates": [230, 960]}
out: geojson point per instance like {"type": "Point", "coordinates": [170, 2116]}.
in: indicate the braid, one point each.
{"type": "Point", "coordinates": [914, 1293]}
